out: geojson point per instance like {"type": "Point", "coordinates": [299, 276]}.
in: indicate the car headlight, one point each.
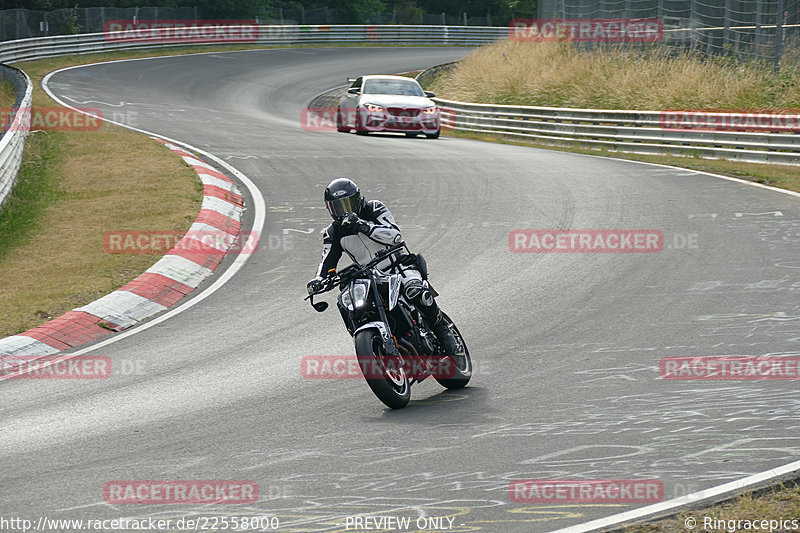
{"type": "Point", "coordinates": [374, 108]}
{"type": "Point", "coordinates": [430, 110]}
{"type": "Point", "coordinates": [356, 296]}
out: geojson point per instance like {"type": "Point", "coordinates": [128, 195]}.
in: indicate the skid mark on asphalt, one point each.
{"type": "Point", "coordinates": [329, 514]}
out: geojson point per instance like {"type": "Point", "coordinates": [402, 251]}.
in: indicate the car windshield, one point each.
{"type": "Point", "coordinates": [405, 88]}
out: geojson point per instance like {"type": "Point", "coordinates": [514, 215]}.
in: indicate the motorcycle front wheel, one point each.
{"type": "Point", "coordinates": [461, 370]}
{"type": "Point", "coordinates": [389, 382]}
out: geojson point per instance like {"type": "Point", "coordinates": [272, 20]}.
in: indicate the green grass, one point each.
{"type": "Point", "coordinates": [7, 96]}
{"type": "Point", "coordinates": [36, 190]}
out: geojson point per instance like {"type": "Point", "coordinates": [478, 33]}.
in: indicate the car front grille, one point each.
{"type": "Point", "coordinates": [402, 112]}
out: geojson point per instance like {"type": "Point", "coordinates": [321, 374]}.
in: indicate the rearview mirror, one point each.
{"type": "Point", "coordinates": [354, 90]}
{"type": "Point", "coordinates": [320, 306]}
{"type": "Point", "coordinates": [429, 94]}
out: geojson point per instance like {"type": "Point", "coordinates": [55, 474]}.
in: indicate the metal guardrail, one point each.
{"type": "Point", "coordinates": [426, 76]}
{"type": "Point", "coordinates": [13, 141]}
{"type": "Point", "coordinates": [34, 48]}
{"type": "Point", "coordinates": [641, 132]}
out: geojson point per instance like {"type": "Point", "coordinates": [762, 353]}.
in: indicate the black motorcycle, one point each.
{"type": "Point", "coordinates": [394, 344]}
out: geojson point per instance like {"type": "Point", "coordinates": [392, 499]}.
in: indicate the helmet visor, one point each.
{"type": "Point", "coordinates": [341, 206]}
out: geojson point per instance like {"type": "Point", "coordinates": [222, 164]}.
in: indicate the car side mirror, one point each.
{"type": "Point", "coordinates": [353, 90]}
{"type": "Point", "coordinates": [429, 94]}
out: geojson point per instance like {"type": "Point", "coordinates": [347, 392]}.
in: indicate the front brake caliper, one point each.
{"type": "Point", "coordinates": [390, 345]}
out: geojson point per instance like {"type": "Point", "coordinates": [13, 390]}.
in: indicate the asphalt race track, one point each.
{"type": "Point", "coordinates": [566, 346]}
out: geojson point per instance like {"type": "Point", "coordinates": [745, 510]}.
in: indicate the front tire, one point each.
{"type": "Point", "coordinates": [461, 362]}
{"type": "Point", "coordinates": [434, 135]}
{"type": "Point", "coordinates": [358, 126]}
{"type": "Point", "coordinates": [393, 388]}
{"type": "Point", "coordinates": [341, 127]}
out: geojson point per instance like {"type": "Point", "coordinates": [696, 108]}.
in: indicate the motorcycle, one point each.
{"type": "Point", "coordinates": [394, 344]}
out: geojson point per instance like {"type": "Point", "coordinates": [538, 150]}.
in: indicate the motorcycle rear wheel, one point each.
{"type": "Point", "coordinates": [393, 389]}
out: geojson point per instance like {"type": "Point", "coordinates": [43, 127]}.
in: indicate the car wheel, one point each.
{"type": "Point", "coordinates": [341, 127]}
{"type": "Point", "coordinates": [432, 135]}
{"type": "Point", "coordinates": [359, 128]}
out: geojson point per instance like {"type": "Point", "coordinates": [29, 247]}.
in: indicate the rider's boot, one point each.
{"type": "Point", "coordinates": [445, 336]}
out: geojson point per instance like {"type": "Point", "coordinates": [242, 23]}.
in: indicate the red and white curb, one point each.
{"type": "Point", "coordinates": [171, 278]}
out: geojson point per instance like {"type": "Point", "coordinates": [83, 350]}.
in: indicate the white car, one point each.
{"type": "Point", "coordinates": [388, 104]}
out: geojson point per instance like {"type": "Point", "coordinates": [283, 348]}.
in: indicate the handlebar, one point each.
{"type": "Point", "coordinates": [331, 281]}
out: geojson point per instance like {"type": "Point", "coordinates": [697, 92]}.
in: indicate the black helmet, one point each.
{"type": "Point", "coordinates": [341, 197]}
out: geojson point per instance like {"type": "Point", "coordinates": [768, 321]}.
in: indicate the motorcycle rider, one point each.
{"type": "Point", "coordinates": [361, 229]}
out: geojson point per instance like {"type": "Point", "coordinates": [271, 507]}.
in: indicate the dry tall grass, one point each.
{"type": "Point", "coordinates": [564, 75]}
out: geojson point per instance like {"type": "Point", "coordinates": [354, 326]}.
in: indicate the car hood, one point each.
{"type": "Point", "coordinates": [396, 100]}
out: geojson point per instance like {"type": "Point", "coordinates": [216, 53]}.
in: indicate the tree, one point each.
{"type": "Point", "coordinates": [356, 11]}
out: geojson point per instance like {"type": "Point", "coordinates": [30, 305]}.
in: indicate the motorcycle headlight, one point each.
{"type": "Point", "coordinates": [430, 110]}
{"type": "Point", "coordinates": [373, 108]}
{"type": "Point", "coordinates": [356, 296]}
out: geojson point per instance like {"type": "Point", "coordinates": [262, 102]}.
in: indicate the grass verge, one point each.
{"type": "Point", "coordinates": [73, 187]}
{"type": "Point", "coordinates": [7, 96]}
{"type": "Point", "coordinates": [779, 503]}
{"type": "Point", "coordinates": [615, 77]}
